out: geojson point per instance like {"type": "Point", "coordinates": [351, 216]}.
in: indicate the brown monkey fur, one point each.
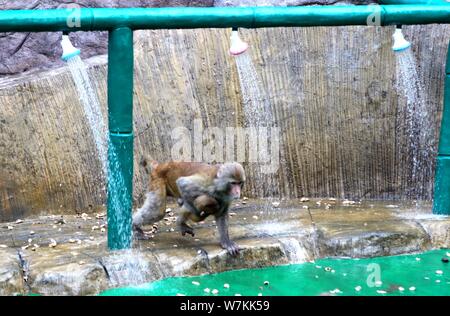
{"type": "Point", "coordinates": [201, 189]}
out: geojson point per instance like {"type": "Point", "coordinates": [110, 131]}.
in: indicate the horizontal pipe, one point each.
{"type": "Point", "coordinates": [216, 17]}
{"type": "Point", "coordinates": [415, 14]}
{"type": "Point", "coordinates": [414, 2]}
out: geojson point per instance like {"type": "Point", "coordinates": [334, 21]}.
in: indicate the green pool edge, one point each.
{"type": "Point", "coordinates": [422, 274]}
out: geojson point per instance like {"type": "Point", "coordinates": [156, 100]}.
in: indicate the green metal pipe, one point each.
{"type": "Point", "coordinates": [441, 201]}
{"type": "Point", "coordinates": [444, 139]}
{"type": "Point", "coordinates": [414, 2]}
{"type": "Point", "coordinates": [120, 149]}
{"type": "Point", "coordinates": [216, 17]}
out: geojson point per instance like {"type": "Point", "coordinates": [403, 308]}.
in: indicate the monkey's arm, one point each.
{"type": "Point", "coordinates": [225, 242]}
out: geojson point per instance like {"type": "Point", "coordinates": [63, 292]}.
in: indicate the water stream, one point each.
{"type": "Point", "coordinates": [294, 250]}
{"type": "Point", "coordinates": [127, 266]}
{"type": "Point", "coordinates": [258, 116]}
{"type": "Point", "coordinates": [419, 129]}
{"type": "Point", "coordinates": [91, 107]}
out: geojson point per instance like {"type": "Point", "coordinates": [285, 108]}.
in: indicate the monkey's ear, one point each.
{"type": "Point", "coordinates": [221, 171]}
{"type": "Point", "coordinates": [143, 162]}
{"type": "Point", "coordinates": [154, 164]}
{"type": "Point", "coordinates": [147, 168]}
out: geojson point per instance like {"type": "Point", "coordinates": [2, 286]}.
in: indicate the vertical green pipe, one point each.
{"type": "Point", "coordinates": [441, 202]}
{"type": "Point", "coordinates": [120, 150]}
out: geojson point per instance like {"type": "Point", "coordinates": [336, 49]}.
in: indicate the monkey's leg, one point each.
{"type": "Point", "coordinates": [225, 242]}
{"type": "Point", "coordinates": [139, 233]}
{"type": "Point", "coordinates": [152, 211]}
{"type": "Point", "coordinates": [185, 215]}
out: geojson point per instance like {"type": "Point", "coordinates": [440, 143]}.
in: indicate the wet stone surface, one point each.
{"type": "Point", "coordinates": [67, 255]}
{"type": "Point", "coordinates": [11, 275]}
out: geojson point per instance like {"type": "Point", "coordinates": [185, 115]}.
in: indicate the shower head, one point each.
{"type": "Point", "coordinates": [400, 43]}
{"type": "Point", "coordinates": [238, 46]}
{"type": "Point", "coordinates": [68, 50]}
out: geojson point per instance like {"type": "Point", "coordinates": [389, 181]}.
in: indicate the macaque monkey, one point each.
{"type": "Point", "coordinates": [201, 189]}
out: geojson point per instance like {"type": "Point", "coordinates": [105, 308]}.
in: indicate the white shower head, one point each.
{"type": "Point", "coordinates": [400, 43]}
{"type": "Point", "coordinates": [69, 50]}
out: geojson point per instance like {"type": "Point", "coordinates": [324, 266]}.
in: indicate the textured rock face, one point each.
{"type": "Point", "coordinates": [439, 233]}
{"type": "Point", "coordinates": [68, 279]}
{"type": "Point", "coordinates": [11, 279]}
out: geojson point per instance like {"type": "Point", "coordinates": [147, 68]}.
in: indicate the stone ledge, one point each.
{"type": "Point", "coordinates": [80, 264]}
{"type": "Point", "coordinates": [11, 276]}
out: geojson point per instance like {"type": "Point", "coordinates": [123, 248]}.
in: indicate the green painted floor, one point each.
{"type": "Point", "coordinates": [420, 274]}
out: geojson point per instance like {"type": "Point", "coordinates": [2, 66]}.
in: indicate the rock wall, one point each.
{"type": "Point", "coordinates": [332, 91]}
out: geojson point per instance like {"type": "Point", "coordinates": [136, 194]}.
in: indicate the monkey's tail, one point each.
{"type": "Point", "coordinates": [148, 167]}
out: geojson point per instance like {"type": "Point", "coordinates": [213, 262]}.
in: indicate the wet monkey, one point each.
{"type": "Point", "coordinates": [201, 189]}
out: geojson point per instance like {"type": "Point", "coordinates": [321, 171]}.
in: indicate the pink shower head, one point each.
{"type": "Point", "coordinates": [238, 46]}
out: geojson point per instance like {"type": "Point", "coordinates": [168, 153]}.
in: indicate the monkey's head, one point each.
{"type": "Point", "coordinates": [230, 179]}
